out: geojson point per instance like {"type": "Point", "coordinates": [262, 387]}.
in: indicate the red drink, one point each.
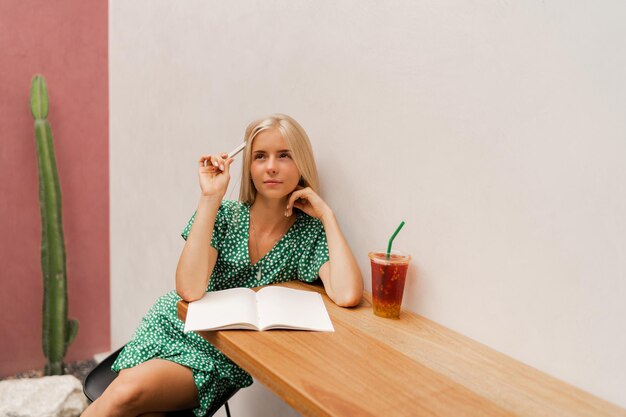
{"type": "Point", "coordinates": [388, 277]}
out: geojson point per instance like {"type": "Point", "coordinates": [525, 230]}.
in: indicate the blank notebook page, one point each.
{"type": "Point", "coordinates": [216, 309]}
{"type": "Point", "coordinates": [293, 308]}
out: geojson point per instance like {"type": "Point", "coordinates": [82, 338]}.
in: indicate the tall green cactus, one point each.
{"type": "Point", "coordinates": [58, 331]}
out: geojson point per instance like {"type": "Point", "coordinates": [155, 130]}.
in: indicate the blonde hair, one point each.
{"type": "Point", "coordinates": [297, 142]}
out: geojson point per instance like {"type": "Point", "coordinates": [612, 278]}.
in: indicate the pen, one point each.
{"type": "Point", "coordinates": [234, 152]}
{"type": "Point", "coordinates": [237, 150]}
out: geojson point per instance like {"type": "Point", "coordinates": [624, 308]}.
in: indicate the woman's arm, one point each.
{"type": "Point", "coordinates": [341, 275]}
{"type": "Point", "coordinates": [197, 260]}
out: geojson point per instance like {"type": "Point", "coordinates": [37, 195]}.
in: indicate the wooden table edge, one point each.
{"type": "Point", "coordinates": [311, 408]}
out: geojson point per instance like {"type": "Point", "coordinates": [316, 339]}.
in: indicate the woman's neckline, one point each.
{"type": "Point", "coordinates": [278, 242]}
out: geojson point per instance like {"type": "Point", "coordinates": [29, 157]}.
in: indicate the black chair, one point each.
{"type": "Point", "coordinates": [101, 376]}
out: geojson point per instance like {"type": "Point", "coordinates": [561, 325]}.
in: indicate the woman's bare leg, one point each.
{"type": "Point", "coordinates": [153, 386]}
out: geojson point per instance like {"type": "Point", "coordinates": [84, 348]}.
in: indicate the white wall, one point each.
{"type": "Point", "coordinates": [494, 128]}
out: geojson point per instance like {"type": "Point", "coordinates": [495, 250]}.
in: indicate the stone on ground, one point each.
{"type": "Point", "coordinates": [50, 396]}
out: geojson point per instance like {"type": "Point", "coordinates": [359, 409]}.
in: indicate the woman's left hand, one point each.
{"type": "Point", "coordinates": [309, 202]}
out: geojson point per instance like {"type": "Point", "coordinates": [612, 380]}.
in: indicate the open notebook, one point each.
{"type": "Point", "coordinates": [269, 308]}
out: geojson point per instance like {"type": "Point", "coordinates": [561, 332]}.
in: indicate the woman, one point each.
{"type": "Point", "coordinates": [259, 240]}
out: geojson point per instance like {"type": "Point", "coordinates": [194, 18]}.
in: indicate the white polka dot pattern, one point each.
{"type": "Point", "coordinates": [298, 255]}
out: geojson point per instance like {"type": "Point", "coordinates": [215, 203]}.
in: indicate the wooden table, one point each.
{"type": "Point", "coordinates": [372, 366]}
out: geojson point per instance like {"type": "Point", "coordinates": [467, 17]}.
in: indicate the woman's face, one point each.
{"type": "Point", "coordinates": [273, 171]}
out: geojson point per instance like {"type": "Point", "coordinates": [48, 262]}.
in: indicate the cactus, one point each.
{"type": "Point", "coordinates": [57, 331]}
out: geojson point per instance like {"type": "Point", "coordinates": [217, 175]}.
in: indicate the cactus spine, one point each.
{"type": "Point", "coordinates": [58, 331]}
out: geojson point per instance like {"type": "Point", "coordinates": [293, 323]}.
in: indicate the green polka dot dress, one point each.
{"type": "Point", "coordinates": [298, 255]}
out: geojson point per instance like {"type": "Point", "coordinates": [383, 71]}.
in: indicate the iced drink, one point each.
{"type": "Point", "coordinates": [388, 277]}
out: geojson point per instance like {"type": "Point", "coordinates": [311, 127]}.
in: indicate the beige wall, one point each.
{"type": "Point", "coordinates": [495, 129]}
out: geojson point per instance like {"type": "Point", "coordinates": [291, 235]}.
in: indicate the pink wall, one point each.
{"type": "Point", "coordinates": [66, 41]}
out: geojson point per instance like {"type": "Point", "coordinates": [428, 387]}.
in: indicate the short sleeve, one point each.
{"type": "Point", "coordinates": [315, 253]}
{"type": "Point", "coordinates": [219, 229]}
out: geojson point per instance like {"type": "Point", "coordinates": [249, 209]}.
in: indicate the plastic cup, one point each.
{"type": "Point", "coordinates": [388, 277]}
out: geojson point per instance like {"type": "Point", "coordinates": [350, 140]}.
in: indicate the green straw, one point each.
{"type": "Point", "coordinates": [393, 237]}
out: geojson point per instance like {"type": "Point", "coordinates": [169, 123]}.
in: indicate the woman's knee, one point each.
{"type": "Point", "coordinates": [124, 395]}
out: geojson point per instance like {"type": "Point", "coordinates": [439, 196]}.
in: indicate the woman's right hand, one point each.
{"type": "Point", "coordinates": [214, 177]}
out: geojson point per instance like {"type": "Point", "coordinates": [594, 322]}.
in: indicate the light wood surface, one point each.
{"type": "Point", "coordinates": [371, 366]}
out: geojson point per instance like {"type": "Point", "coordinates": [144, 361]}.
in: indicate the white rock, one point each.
{"type": "Point", "coordinates": [50, 396]}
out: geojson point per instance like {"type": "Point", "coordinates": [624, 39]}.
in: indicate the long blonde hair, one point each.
{"type": "Point", "coordinates": [297, 142]}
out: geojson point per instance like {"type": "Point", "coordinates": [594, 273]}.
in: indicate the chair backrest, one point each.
{"type": "Point", "coordinates": [100, 377]}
